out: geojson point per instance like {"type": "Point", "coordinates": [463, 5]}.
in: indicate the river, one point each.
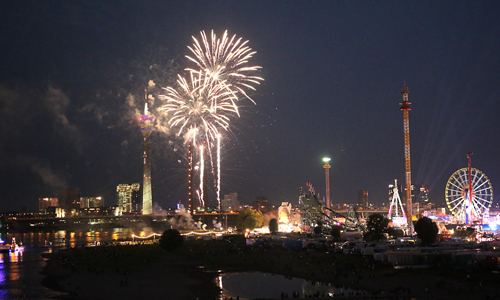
{"type": "Point", "coordinates": [21, 278]}
{"type": "Point", "coordinates": [20, 271]}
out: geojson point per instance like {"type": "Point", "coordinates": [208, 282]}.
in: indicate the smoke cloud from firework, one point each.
{"type": "Point", "coordinates": [184, 221]}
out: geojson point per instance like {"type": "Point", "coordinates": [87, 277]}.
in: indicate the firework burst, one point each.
{"type": "Point", "coordinates": [202, 105]}
{"type": "Point", "coordinates": [225, 61]}
{"type": "Point", "coordinates": [199, 108]}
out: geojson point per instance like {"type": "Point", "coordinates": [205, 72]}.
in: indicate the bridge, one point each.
{"type": "Point", "coordinates": [40, 222]}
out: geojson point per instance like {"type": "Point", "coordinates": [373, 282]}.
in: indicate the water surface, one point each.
{"type": "Point", "coordinates": [257, 285]}
{"type": "Point", "coordinates": [20, 272]}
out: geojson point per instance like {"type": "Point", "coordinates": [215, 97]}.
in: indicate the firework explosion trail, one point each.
{"type": "Point", "coordinates": [224, 61]}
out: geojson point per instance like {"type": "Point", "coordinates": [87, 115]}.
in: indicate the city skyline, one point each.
{"type": "Point", "coordinates": [73, 78]}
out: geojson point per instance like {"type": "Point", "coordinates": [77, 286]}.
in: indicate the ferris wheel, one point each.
{"type": "Point", "coordinates": [467, 206]}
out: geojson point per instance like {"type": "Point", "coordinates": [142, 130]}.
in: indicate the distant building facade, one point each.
{"type": "Point", "coordinates": [69, 201]}
{"type": "Point", "coordinates": [423, 195]}
{"type": "Point", "coordinates": [261, 204]}
{"type": "Point", "coordinates": [45, 203]}
{"type": "Point", "coordinates": [230, 202]}
{"type": "Point", "coordinates": [128, 198]}
{"type": "Point", "coordinates": [363, 198]}
{"type": "Point", "coordinates": [89, 202]}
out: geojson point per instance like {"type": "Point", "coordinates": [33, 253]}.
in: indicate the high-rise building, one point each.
{"type": "Point", "coordinates": [363, 198]}
{"type": "Point", "coordinates": [422, 195]}
{"type": "Point", "coordinates": [261, 204]}
{"type": "Point", "coordinates": [69, 200]}
{"type": "Point", "coordinates": [146, 123]}
{"type": "Point", "coordinates": [128, 198]}
{"type": "Point", "coordinates": [88, 202]}
{"type": "Point", "coordinates": [44, 203]}
{"type": "Point", "coordinates": [230, 202]}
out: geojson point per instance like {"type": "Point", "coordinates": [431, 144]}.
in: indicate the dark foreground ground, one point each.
{"type": "Point", "coordinates": [145, 271]}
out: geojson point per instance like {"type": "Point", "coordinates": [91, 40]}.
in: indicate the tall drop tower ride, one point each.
{"type": "Point", "coordinates": [146, 122]}
{"type": "Point", "coordinates": [405, 107]}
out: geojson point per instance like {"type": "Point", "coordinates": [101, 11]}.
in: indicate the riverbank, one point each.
{"type": "Point", "coordinates": [129, 272]}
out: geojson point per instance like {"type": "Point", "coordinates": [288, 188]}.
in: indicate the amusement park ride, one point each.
{"type": "Point", "coordinates": [405, 108]}
{"type": "Point", "coordinates": [396, 211]}
{"type": "Point", "coordinates": [313, 213]}
{"type": "Point", "coordinates": [469, 194]}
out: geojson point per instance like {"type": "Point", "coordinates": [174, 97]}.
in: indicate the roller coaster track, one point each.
{"type": "Point", "coordinates": [313, 212]}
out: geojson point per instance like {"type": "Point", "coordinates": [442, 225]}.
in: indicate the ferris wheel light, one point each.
{"type": "Point", "coordinates": [493, 225]}
{"type": "Point", "coordinates": [468, 194]}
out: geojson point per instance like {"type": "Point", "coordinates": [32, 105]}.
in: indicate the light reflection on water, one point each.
{"type": "Point", "coordinates": [73, 238]}
{"type": "Point", "coordinates": [20, 272]}
{"type": "Point", "coordinates": [256, 285]}
{"type": "Point", "coordinates": [20, 276]}
{"type": "Point", "coordinates": [3, 285]}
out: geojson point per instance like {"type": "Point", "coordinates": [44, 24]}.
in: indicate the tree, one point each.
{"type": "Point", "coordinates": [171, 239]}
{"type": "Point", "coordinates": [249, 223]}
{"type": "Point", "coordinates": [427, 231]}
{"type": "Point", "coordinates": [273, 226]}
{"type": "Point", "coordinates": [319, 228]}
{"type": "Point", "coordinates": [247, 213]}
{"type": "Point", "coordinates": [376, 226]}
{"type": "Point", "coordinates": [395, 232]}
{"type": "Point", "coordinates": [336, 232]}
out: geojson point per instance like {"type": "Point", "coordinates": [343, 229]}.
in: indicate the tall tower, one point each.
{"type": "Point", "coordinates": [191, 178]}
{"type": "Point", "coordinates": [146, 122]}
{"type": "Point", "coordinates": [405, 107]}
{"type": "Point", "coordinates": [327, 178]}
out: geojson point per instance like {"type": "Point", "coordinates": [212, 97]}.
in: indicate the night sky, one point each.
{"type": "Point", "coordinates": [72, 76]}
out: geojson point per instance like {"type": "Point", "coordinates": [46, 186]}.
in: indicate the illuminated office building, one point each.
{"type": "Point", "coordinates": [88, 202]}
{"type": "Point", "coordinates": [128, 198]}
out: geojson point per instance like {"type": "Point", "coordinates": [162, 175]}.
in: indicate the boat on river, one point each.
{"type": "Point", "coordinates": [14, 247]}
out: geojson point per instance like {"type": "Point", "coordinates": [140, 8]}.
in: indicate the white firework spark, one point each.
{"type": "Point", "coordinates": [199, 105]}
{"type": "Point", "coordinates": [225, 61]}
